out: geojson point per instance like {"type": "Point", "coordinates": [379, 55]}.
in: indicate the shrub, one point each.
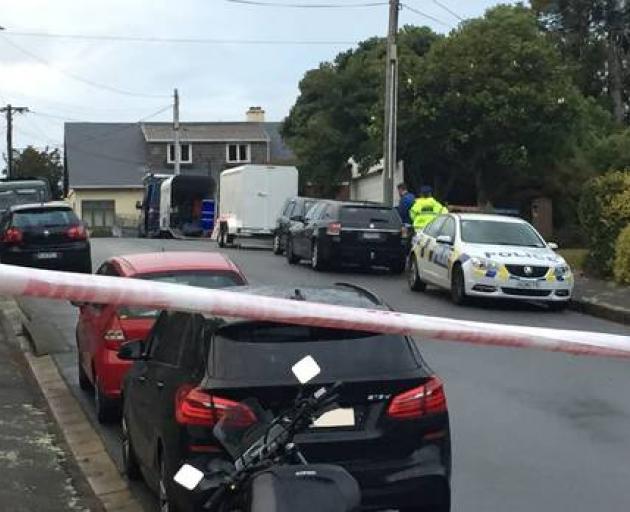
{"type": "Point", "coordinates": [622, 257]}
{"type": "Point", "coordinates": [604, 210]}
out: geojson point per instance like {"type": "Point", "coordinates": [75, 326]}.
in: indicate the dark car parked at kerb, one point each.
{"type": "Point", "coordinates": [343, 233]}
{"type": "Point", "coordinates": [46, 235]}
{"type": "Point", "coordinates": [394, 437]}
{"type": "Point", "coordinates": [294, 210]}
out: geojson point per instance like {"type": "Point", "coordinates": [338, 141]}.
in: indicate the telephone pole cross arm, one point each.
{"type": "Point", "coordinates": [391, 105]}
{"type": "Point", "coordinates": [10, 110]}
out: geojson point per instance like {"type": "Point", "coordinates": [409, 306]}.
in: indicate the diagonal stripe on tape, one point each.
{"type": "Point", "coordinates": [21, 281]}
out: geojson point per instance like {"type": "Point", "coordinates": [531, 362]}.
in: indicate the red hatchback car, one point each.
{"type": "Point", "coordinates": [101, 329]}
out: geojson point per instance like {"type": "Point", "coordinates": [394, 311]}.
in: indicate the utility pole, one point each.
{"type": "Point", "coordinates": [177, 149]}
{"type": "Point", "coordinates": [391, 105]}
{"type": "Point", "coordinates": [9, 110]}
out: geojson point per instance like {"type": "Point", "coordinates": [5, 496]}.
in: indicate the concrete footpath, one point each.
{"type": "Point", "coordinates": [37, 473]}
{"type": "Point", "coordinates": [603, 299]}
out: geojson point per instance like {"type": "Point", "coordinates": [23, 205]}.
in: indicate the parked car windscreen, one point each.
{"type": "Point", "coordinates": [364, 216]}
{"type": "Point", "coordinates": [266, 351]}
{"type": "Point", "coordinates": [205, 279]}
{"type": "Point", "coordinates": [500, 233]}
{"type": "Point", "coordinates": [44, 218]}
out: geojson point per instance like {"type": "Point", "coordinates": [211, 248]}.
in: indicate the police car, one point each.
{"type": "Point", "coordinates": [489, 256]}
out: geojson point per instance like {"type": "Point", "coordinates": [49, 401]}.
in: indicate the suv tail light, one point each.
{"type": "Point", "coordinates": [77, 233]}
{"type": "Point", "coordinates": [418, 402]}
{"type": "Point", "coordinates": [334, 229]}
{"type": "Point", "coordinates": [13, 236]}
{"type": "Point", "coordinates": [194, 406]}
{"type": "Point", "coordinates": [404, 232]}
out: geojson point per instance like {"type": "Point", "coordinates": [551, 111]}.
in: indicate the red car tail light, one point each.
{"type": "Point", "coordinates": [114, 338]}
{"type": "Point", "coordinates": [77, 233]}
{"type": "Point", "coordinates": [194, 406]}
{"type": "Point", "coordinates": [418, 402]}
{"type": "Point", "coordinates": [334, 229]}
{"type": "Point", "coordinates": [13, 236]}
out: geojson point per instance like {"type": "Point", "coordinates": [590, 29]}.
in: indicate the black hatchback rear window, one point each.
{"type": "Point", "coordinates": [48, 217]}
{"type": "Point", "coordinates": [265, 351]}
{"type": "Point", "coordinates": [364, 216]}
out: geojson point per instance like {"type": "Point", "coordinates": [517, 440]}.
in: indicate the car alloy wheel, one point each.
{"type": "Point", "coordinates": [277, 245]}
{"type": "Point", "coordinates": [291, 258]}
{"type": "Point", "coordinates": [165, 505]}
{"type": "Point", "coordinates": [130, 462]}
{"type": "Point", "coordinates": [458, 286]}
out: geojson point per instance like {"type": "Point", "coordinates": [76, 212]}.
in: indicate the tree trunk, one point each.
{"type": "Point", "coordinates": [482, 197]}
{"type": "Point", "coordinates": [615, 70]}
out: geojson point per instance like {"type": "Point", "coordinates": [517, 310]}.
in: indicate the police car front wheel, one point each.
{"type": "Point", "coordinates": [458, 286]}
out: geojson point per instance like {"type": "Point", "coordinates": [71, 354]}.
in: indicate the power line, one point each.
{"type": "Point", "coordinates": [292, 5]}
{"type": "Point", "coordinates": [180, 40]}
{"type": "Point", "coordinates": [448, 9]}
{"type": "Point", "coordinates": [77, 77]}
{"type": "Point", "coordinates": [425, 15]}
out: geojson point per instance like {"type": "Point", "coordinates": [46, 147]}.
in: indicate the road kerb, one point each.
{"type": "Point", "coordinates": [84, 442]}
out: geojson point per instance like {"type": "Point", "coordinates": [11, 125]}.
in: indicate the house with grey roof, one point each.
{"type": "Point", "coordinates": [106, 162]}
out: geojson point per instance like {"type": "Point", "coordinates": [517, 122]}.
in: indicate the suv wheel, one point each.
{"type": "Point", "coordinates": [413, 277]}
{"type": "Point", "coordinates": [317, 262]}
{"type": "Point", "coordinates": [130, 461]}
{"type": "Point", "coordinates": [291, 257]}
{"type": "Point", "coordinates": [277, 244]}
{"type": "Point", "coordinates": [458, 286]}
{"type": "Point", "coordinates": [165, 502]}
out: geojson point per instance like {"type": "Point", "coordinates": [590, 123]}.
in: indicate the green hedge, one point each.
{"type": "Point", "coordinates": [622, 257]}
{"type": "Point", "coordinates": [604, 210]}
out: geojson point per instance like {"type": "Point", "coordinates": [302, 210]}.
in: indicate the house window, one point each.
{"type": "Point", "coordinates": [98, 214]}
{"type": "Point", "coordinates": [185, 155]}
{"type": "Point", "coordinates": [238, 153]}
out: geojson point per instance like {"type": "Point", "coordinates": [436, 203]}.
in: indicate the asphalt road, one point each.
{"type": "Point", "coordinates": [532, 430]}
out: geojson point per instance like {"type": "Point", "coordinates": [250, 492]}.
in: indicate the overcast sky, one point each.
{"type": "Point", "coordinates": [216, 81]}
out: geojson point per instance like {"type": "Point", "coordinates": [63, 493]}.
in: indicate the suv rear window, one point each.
{"type": "Point", "coordinates": [363, 216]}
{"type": "Point", "coordinates": [40, 218]}
{"type": "Point", "coordinates": [256, 351]}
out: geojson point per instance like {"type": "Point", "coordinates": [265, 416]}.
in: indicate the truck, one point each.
{"type": "Point", "coordinates": [23, 191]}
{"type": "Point", "coordinates": [177, 206]}
{"type": "Point", "coordinates": [250, 200]}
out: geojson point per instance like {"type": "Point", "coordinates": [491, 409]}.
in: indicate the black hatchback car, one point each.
{"type": "Point", "coordinates": [294, 210]}
{"type": "Point", "coordinates": [363, 234]}
{"type": "Point", "coordinates": [193, 368]}
{"type": "Point", "coordinates": [46, 235]}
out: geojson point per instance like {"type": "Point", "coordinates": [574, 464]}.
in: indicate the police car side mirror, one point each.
{"type": "Point", "coordinates": [553, 246]}
{"type": "Point", "coordinates": [444, 239]}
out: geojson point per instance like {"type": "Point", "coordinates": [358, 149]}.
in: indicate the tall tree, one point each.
{"type": "Point", "coordinates": [595, 34]}
{"type": "Point", "coordinates": [495, 107]}
{"type": "Point", "coordinates": [338, 113]}
{"type": "Point", "coordinates": [46, 164]}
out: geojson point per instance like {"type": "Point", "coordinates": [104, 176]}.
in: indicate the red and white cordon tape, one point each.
{"type": "Point", "coordinates": [20, 281]}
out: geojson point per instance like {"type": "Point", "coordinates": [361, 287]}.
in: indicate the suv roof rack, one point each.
{"type": "Point", "coordinates": [363, 291]}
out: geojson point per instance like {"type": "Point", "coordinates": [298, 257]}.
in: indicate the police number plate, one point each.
{"type": "Point", "coordinates": [528, 285]}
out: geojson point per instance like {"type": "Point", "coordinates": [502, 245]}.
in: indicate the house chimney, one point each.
{"type": "Point", "coordinates": [255, 115]}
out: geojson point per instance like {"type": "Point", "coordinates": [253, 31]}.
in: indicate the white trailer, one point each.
{"type": "Point", "coordinates": [250, 200]}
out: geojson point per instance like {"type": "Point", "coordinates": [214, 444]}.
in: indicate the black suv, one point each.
{"type": "Point", "coordinates": [47, 235]}
{"type": "Point", "coordinates": [194, 367]}
{"type": "Point", "coordinates": [294, 210]}
{"type": "Point", "coordinates": [364, 234]}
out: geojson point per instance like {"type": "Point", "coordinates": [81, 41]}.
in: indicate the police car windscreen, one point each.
{"type": "Point", "coordinates": [364, 216]}
{"type": "Point", "coordinates": [266, 351]}
{"type": "Point", "coordinates": [500, 233]}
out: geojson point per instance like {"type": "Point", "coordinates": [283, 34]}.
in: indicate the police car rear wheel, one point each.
{"type": "Point", "coordinates": [415, 283]}
{"type": "Point", "coordinates": [458, 286]}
